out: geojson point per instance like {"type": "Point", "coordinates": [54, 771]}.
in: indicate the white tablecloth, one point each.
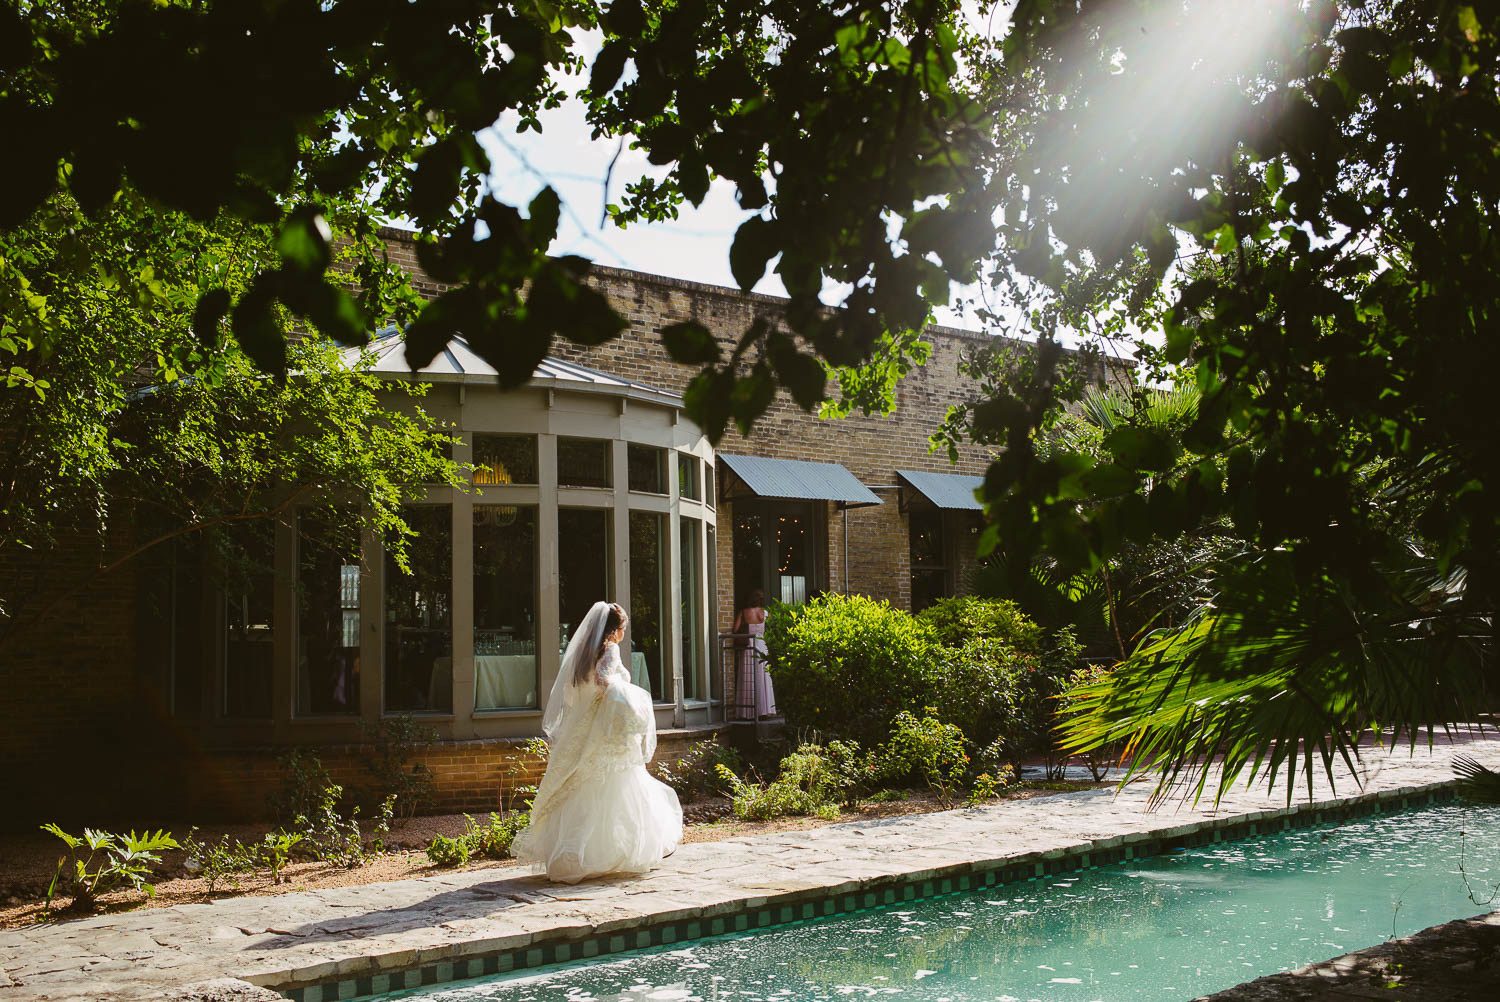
{"type": "Point", "coordinates": [504, 681]}
{"type": "Point", "coordinates": [638, 673]}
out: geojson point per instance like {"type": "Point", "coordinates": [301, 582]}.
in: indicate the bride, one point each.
{"type": "Point", "coordinates": [598, 811]}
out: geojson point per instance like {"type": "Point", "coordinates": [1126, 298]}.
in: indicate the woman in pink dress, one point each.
{"type": "Point", "coordinates": [754, 682]}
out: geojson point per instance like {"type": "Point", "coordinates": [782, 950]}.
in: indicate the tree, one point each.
{"type": "Point", "coordinates": [1346, 186]}
{"type": "Point", "coordinates": [835, 121]}
{"type": "Point", "coordinates": [135, 417]}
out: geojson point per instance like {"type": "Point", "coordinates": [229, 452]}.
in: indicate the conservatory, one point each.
{"type": "Point", "coordinates": [585, 487]}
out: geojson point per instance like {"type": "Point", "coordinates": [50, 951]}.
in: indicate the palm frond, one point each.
{"type": "Point", "coordinates": [1476, 783]}
{"type": "Point", "coordinates": [1282, 676]}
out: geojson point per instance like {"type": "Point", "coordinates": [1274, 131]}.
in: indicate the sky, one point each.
{"type": "Point", "coordinates": [694, 247]}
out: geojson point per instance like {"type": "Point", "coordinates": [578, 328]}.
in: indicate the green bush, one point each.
{"type": "Point", "coordinates": [987, 786]}
{"type": "Point", "coordinates": [696, 773]}
{"type": "Point", "coordinates": [846, 665]}
{"type": "Point", "coordinates": [815, 780]}
{"type": "Point", "coordinates": [490, 841]}
{"type": "Point", "coordinates": [331, 837]}
{"type": "Point", "coordinates": [924, 747]}
{"type": "Point", "coordinates": [955, 621]}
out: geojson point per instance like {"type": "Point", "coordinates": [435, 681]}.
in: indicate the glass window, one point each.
{"type": "Point", "coordinates": [929, 560]}
{"type": "Point", "coordinates": [692, 608]}
{"type": "Point", "coordinates": [715, 680]}
{"type": "Point", "coordinates": [708, 482]}
{"type": "Point", "coordinates": [328, 628]}
{"type": "Point", "coordinates": [648, 566]}
{"type": "Point", "coordinates": [169, 624]}
{"type": "Point", "coordinates": [505, 584]}
{"type": "Point", "coordinates": [419, 616]}
{"type": "Point", "coordinates": [648, 468]}
{"type": "Point", "coordinates": [505, 459]}
{"type": "Point", "coordinates": [249, 593]}
{"type": "Point", "coordinates": [749, 554]}
{"type": "Point", "coordinates": [792, 574]}
{"type": "Point", "coordinates": [583, 462]}
{"type": "Point", "coordinates": [687, 477]}
{"type": "Point", "coordinates": [582, 565]}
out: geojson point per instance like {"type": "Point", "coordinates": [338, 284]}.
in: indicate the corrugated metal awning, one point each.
{"type": "Point", "coordinates": [800, 480]}
{"type": "Point", "coordinates": [950, 491]}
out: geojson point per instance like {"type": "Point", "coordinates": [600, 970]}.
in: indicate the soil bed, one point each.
{"type": "Point", "coordinates": [27, 862]}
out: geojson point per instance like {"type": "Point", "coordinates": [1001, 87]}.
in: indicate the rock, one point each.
{"type": "Point", "coordinates": [225, 990]}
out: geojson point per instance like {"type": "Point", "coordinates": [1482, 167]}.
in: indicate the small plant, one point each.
{"type": "Point", "coordinates": [987, 786]}
{"type": "Point", "coordinates": [490, 841]}
{"type": "Point", "coordinates": [276, 851]}
{"type": "Point", "coordinates": [393, 740]}
{"type": "Point", "coordinates": [512, 790]}
{"type": "Point", "coordinates": [329, 837]}
{"type": "Point", "coordinates": [213, 861]}
{"type": "Point", "coordinates": [112, 861]}
{"type": "Point", "coordinates": [927, 747]}
{"type": "Point", "coordinates": [302, 786]}
{"type": "Point", "coordinates": [696, 773]}
{"type": "Point", "coordinates": [815, 780]}
{"type": "Point", "coordinates": [886, 796]}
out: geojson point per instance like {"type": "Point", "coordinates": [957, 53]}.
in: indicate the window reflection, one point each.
{"type": "Point", "coordinates": [249, 593]}
{"type": "Point", "coordinates": [692, 608]}
{"type": "Point", "coordinates": [505, 459]}
{"type": "Point", "coordinates": [647, 593]}
{"type": "Point", "coordinates": [419, 616]}
{"type": "Point", "coordinates": [505, 582]}
{"type": "Point", "coordinates": [687, 477]}
{"type": "Point", "coordinates": [583, 462]}
{"type": "Point", "coordinates": [328, 625]}
{"type": "Point", "coordinates": [929, 560]}
{"type": "Point", "coordinates": [582, 565]}
{"type": "Point", "coordinates": [648, 469]}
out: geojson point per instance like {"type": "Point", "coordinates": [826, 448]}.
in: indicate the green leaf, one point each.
{"type": "Point", "coordinates": [608, 66]}
{"type": "Point", "coordinates": [754, 246]}
{"type": "Point", "coordinates": [256, 328]}
{"type": "Point", "coordinates": [304, 241]}
{"type": "Point", "coordinates": [691, 343]}
{"type": "Point", "coordinates": [542, 217]}
{"type": "Point", "coordinates": [208, 314]}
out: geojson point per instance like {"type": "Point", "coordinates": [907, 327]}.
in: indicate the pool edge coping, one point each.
{"type": "Point", "coordinates": [374, 974]}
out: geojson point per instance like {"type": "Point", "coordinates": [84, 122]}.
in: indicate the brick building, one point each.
{"type": "Point", "coordinates": [588, 482]}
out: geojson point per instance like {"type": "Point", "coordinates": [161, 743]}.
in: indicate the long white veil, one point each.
{"type": "Point", "coordinates": [583, 648]}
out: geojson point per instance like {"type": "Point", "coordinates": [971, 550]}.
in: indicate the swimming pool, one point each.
{"type": "Point", "coordinates": [1174, 926]}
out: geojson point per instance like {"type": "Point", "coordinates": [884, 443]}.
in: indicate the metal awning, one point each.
{"type": "Point", "coordinates": [799, 480]}
{"type": "Point", "coordinates": [950, 491]}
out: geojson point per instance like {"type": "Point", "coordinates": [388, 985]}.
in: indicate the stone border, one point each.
{"type": "Point", "coordinates": [481, 958]}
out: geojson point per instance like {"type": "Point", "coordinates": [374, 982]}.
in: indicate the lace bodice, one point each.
{"type": "Point", "coordinates": [609, 666]}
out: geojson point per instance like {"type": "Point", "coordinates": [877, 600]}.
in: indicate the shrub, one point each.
{"type": "Point", "coordinates": [512, 790]}
{"type": "Point", "coordinates": [330, 837]}
{"type": "Point", "coordinates": [696, 773]}
{"type": "Point", "coordinates": [302, 785]}
{"type": "Point", "coordinates": [1099, 759]}
{"type": "Point", "coordinates": [213, 861]}
{"type": "Point", "coordinates": [955, 621]}
{"type": "Point", "coordinates": [492, 841]}
{"type": "Point", "coordinates": [393, 740]}
{"type": "Point", "coordinates": [111, 861]}
{"type": "Point", "coordinates": [814, 780]}
{"type": "Point", "coordinates": [846, 665]}
{"type": "Point", "coordinates": [926, 747]}
{"type": "Point", "coordinates": [987, 786]}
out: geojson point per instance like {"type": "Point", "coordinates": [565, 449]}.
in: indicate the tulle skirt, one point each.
{"type": "Point", "coordinates": [604, 822]}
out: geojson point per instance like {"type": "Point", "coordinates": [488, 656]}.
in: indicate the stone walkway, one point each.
{"type": "Point", "coordinates": [380, 933]}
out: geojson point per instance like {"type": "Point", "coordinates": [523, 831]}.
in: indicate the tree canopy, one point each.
{"type": "Point", "coordinates": [1292, 203]}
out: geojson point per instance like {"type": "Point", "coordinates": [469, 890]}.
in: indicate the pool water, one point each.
{"type": "Point", "coordinates": [1168, 927]}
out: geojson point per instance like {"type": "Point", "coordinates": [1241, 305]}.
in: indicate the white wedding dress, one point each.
{"type": "Point", "coordinates": [598, 811]}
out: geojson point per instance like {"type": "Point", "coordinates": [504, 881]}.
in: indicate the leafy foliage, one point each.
{"type": "Point", "coordinates": [926, 747]}
{"type": "Point", "coordinates": [104, 861]}
{"type": "Point", "coordinates": [696, 772]}
{"type": "Point", "coordinates": [329, 836]}
{"type": "Point", "coordinates": [489, 841]}
{"type": "Point", "coordinates": [229, 857]}
{"type": "Point", "coordinates": [815, 780]}
{"type": "Point", "coordinates": [392, 741]}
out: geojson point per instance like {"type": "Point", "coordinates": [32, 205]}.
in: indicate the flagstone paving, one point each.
{"type": "Point", "coordinates": [346, 932]}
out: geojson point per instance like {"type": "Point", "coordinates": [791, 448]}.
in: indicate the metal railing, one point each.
{"type": "Point", "coordinates": [742, 697]}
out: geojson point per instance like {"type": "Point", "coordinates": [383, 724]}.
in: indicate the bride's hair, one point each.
{"type": "Point", "coordinates": [615, 620]}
